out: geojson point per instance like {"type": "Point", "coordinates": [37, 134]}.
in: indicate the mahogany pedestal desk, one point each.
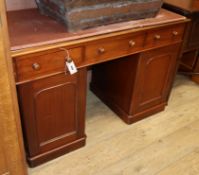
{"type": "Point", "coordinates": [138, 64]}
{"type": "Point", "coordinates": [190, 58]}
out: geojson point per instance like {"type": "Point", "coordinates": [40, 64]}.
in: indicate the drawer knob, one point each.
{"type": "Point", "coordinates": [36, 66]}
{"type": "Point", "coordinates": [101, 50]}
{"type": "Point", "coordinates": [131, 43]}
{"type": "Point", "coordinates": [175, 33]}
{"type": "Point", "coordinates": [157, 37]}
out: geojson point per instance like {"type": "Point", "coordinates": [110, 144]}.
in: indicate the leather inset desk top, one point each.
{"type": "Point", "coordinates": [29, 29]}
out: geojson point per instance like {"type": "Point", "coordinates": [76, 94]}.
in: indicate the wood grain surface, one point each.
{"type": "Point", "coordinates": [186, 5]}
{"type": "Point", "coordinates": [12, 159]}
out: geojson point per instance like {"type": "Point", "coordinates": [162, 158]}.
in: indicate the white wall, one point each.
{"type": "Point", "coordinates": [20, 4]}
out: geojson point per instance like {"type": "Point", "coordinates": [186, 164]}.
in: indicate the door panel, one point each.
{"type": "Point", "coordinates": [155, 73]}
{"type": "Point", "coordinates": [52, 111]}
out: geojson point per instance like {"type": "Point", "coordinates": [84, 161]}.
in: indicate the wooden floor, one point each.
{"type": "Point", "coordinates": [164, 144]}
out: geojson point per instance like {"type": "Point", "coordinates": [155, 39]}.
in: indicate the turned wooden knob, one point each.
{"type": "Point", "coordinates": [36, 66]}
{"type": "Point", "coordinates": [175, 33]}
{"type": "Point", "coordinates": [101, 50]}
{"type": "Point", "coordinates": [157, 37]}
{"type": "Point", "coordinates": [131, 43]}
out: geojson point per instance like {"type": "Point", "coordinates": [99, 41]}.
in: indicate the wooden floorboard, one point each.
{"type": "Point", "coordinates": [158, 145]}
{"type": "Point", "coordinates": [188, 165]}
{"type": "Point", "coordinates": [158, 155]}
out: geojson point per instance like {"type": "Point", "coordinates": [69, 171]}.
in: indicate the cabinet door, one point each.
{"type": "Point", "coordinates": [156, 71]}
{"type": "Point", "coordinates": [53, 111]}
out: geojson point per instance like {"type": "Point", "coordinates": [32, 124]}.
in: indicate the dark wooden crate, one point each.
{"type": "Point", "coordinates": [83, 14]}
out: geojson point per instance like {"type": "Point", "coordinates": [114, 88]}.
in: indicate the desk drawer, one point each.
{"type": "Point", "coordinates": [112, 48]}
{"type": "Point", "coordinates": [44, 63]}
{"type": "Point", "coordinates": [164, 36]}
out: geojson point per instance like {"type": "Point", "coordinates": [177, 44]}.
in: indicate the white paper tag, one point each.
{"type": "Point", "coordinates": [71, 67]}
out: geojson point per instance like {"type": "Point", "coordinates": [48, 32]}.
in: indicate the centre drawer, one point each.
{"type": "Point", "coordinates": [45, 63]}
{"type": "Point", "coordinates": [112, 48]}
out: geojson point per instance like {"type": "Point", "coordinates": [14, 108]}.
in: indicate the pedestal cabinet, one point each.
{"type": "Point", "coordinates": [53, 115]}
{"type": "Point", "coordinates": [137, 86]}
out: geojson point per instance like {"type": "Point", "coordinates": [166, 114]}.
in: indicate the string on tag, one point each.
{"type": "Point", "coordinates": [69, 64]}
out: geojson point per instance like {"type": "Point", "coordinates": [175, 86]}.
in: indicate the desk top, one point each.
{"type": "Point", "coordinates": [29, 29]}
